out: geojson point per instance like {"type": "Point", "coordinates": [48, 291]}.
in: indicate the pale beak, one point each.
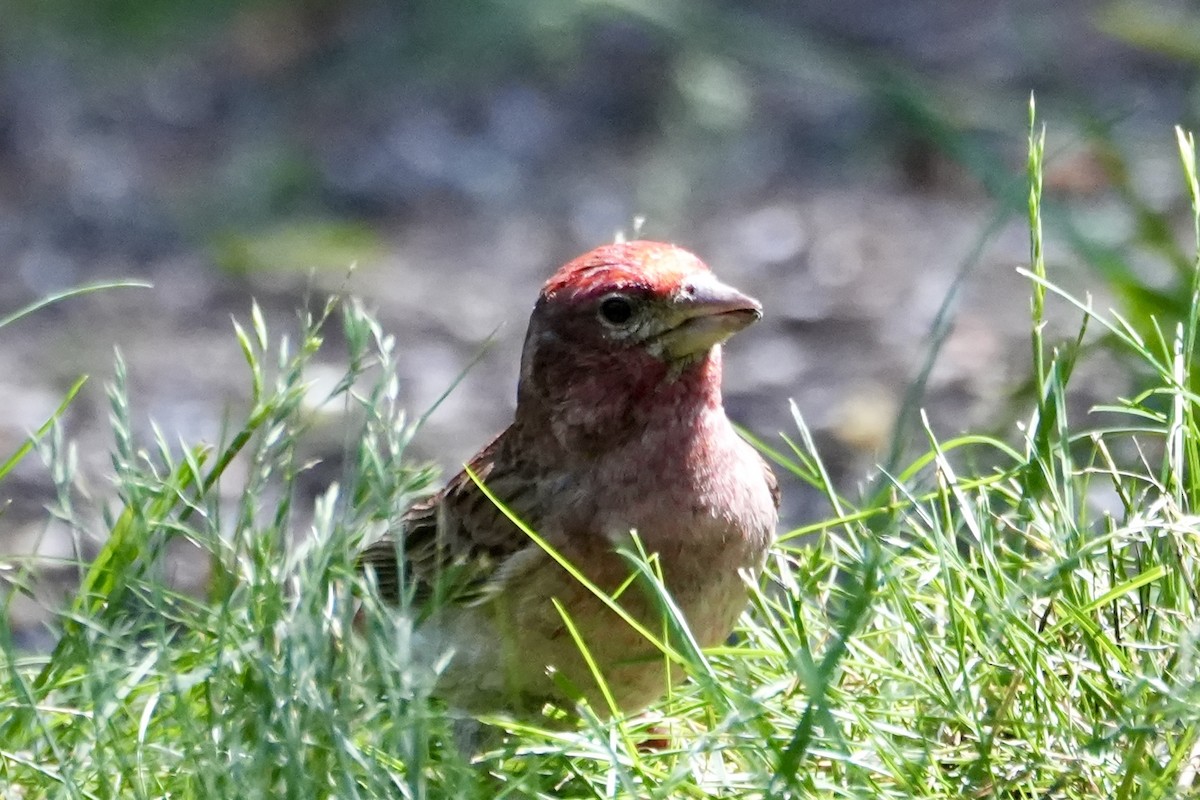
{"type": "Point", "coordinates": [704, 313]}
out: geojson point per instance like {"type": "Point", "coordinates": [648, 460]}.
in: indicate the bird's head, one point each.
{"type": "Point", "coordinates": [616, 325]}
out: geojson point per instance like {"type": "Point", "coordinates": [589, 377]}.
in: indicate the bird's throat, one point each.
{"type": "Point", "coordinates": [603, 410]}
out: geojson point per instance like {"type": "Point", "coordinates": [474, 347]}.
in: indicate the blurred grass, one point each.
{"type": "Point", "coordinates": [53, 419]}
{"type": "Point", "coordinates": [118, 29]}
{"type": "Point", "coordinates": [1168, 29]}
{"type": "Point", "coordinates": [301, 246]}
{"type": "Point", "coordinates": [713, 54]}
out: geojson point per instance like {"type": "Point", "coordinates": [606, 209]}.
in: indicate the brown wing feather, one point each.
{"type": "Point", "coordinates": [772, 482]}
{"type": "Point", "coordinates": [451, 543]}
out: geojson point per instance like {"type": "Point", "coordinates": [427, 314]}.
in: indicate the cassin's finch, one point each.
{"type": "Point", "coordinates": [619, 427]}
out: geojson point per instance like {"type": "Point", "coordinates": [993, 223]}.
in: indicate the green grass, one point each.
{"type": "Point", "coordinates": [1005, 619]}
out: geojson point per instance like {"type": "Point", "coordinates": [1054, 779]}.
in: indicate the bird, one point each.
{"type": "Point", "coordinates": [619, 432]}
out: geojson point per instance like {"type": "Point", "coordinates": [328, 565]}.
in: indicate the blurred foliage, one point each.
{"type": "Point", "coordinates": [442, 39]}
{"type": "Point", "coordinates": [1155, 27]}
{"type": "Point", "coordinates": [299, 245]}
{"type": "Point", "coordinates": [120, 26]}
{"type": "Point", "coordinates": [696, 89]}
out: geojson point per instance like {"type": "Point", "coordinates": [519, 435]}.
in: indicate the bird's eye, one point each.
{"type": "Point", "coordinates": [616, 310]}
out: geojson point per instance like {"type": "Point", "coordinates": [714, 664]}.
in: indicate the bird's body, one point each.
{"type": "Point", "coordinates": [619, 428]}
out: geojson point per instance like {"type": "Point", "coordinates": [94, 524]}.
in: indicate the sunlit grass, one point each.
{"type": "Point", "coordinates": [1026, 631]}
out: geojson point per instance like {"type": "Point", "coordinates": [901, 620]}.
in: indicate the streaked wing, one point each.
{"type": "Point", "coordinates": [450, 545]}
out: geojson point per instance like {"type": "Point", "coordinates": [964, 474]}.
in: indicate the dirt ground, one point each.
{"type": "Point", "coordinates": [259, 158]}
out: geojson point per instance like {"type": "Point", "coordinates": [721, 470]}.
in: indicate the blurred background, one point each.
{"type": "Point", "coordinates": [859, 166]}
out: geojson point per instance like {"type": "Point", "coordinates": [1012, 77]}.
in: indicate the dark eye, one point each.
{"type": "Point", "coordinates": [616, 310]}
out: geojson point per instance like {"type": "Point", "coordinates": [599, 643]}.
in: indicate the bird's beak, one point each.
{"type": "Point", "coordinates": [705, 312]}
